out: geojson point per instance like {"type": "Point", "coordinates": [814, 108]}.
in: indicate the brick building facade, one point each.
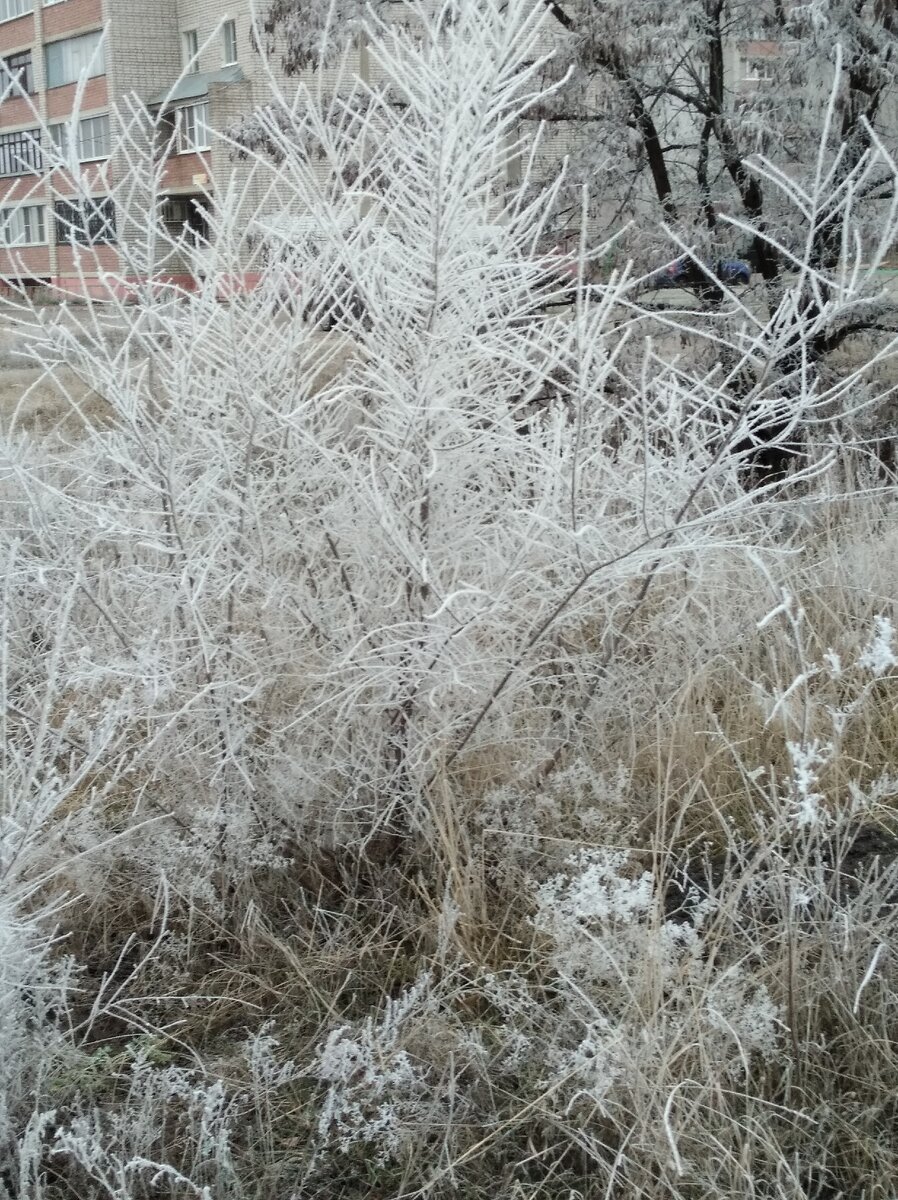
{"type": "Point", "coordinates": [191, 58]}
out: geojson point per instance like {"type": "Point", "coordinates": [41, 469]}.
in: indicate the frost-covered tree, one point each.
{"type": "Point", "coordinates": [705, 86]}
{"type": "Point", "coordinates": [318, 573]}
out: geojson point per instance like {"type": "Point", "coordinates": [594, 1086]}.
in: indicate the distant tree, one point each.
{"type": "Point", "coordinates": [685, 95]}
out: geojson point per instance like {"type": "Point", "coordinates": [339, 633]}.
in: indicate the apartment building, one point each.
{"type": "Point", "coordinates": [192, 56]}
{"type": "Point", "coordinates": [192, 61]}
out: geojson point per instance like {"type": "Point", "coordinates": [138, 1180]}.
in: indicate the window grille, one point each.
{"type": "Point", "coordinates": [86, 222]}
{"type": "Point", "coordinates": [17, 73]}
{"type": "Point", "coordinates": [20, 152]}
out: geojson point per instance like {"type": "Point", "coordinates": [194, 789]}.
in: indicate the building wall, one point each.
{"type": "Point", "coordinates": [23, 189]}
{"type": "Point", "coordinates": [61, 100]}
{"type": "Point", "coordinates": [17, 34]}
{"type": "Point", "coordinates": [34, 32]}
{"type": "Point", "coordinates": [28, 261]}
{"type": "Point", "coordinates": [71, 17]}
{"type": "Point", "coordinates": [206, 16]}
{"type": "Point", "coordinates": [147, 57]}
{"type": "Point", "coordinates": [144, 52]}
{"type": "Point", "coordinates": [18, 113]}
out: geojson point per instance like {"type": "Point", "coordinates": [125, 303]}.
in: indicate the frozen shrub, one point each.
{"type": "Point", "coordinates": [35, 989]}
{"type": "Point", "coordinates": [628, 973]}
{"type": "Point", "coordinates": [879, 656]}
{"type": "Point", "coordinates": [123, 1150]}
{"type": "Point", "coordinates": [316, 577]}
{"type": "Point", "coordinates": [376, 1092]}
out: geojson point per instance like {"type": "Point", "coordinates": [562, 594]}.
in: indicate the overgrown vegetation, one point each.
{"type": "Point", "coordinates": [428, 768]}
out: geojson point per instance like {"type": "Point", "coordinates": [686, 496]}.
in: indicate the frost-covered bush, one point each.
{"type": "Point", "coordinates": [375, 1091]}
{"type": "Point", "coordinates": [663, 994]}
{"type": "Point", "coordinates": [315, 574]}
{"type": "Point", "coordinates": [123, 1150]}
{"type": "Point", "coordinates": [640, 989]}
{"type": "Point", "coordinates": [34, 994]}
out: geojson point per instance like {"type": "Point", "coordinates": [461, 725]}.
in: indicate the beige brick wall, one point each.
{"type": "Point", "coordinates": [229, 101]}
{"type": "Point", "coordinates": [143, 54]}
{"type": "Point", "coordinates": [205, 16]}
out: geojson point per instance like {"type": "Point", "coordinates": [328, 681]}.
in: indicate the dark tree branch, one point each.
{"type": "Point", "coordinates": [560, 15]}
{"type": "Point", "coordinates": [702, 172]}
{"type": "Point", "coordinates": [691, 99]}
{"type": "Point", "coordinates": [609, 58]}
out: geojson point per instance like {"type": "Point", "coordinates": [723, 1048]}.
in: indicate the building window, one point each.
{"type": "Point", "coordinates": [93, 138]}
{"type": "Point", "coordinates": [188, 129]}
{"type": "Point", "coordinates": [20, 153]}
{"type": "Point", "coordinates": [187, 219]}
{"type": "Point", "coordinates": [68, 60]}
{"type": "Point", "coordinates": [757, 68]}
{"type": "Point", "coordinates": [229, 37]}
{"type": "Point", "coordinates": [191, 48]}
{"type": "Point", "coordinates": [87, 222]}
{"type": "Point", "coordinates": [22, 226]}
{"type": "Point", "coordinates": [10, 9]}
{"type": "Point", "coordinates": [17, 73]}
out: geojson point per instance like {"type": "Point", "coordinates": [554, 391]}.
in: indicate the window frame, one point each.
{"type": "Point", "coordinates": [755, 68]}
{"type": "Point", "coordinates": [754, 72]}
{"type": "Point", "coordinates": [93, 156]}
{"type": "Point", "coordinates": [190, 49]}
{"type": "Point", "coordinates": [176, 213]}
{"type": "Point", "coordinates": [99, 63]}
{"type": "Point", "coordinates": [30, 161]}
{"type": "Point", "coordinates": [59, 131]}
{"type": "Point", "coordinates": [26, 68]}
{"type": "Point", "coordinates": [229, 43]}
{"type": "Point", "coordinates": [73, 227]}
{"type": "Point", "coordinates": [23, 12]}
{"type": "Point", "coordinates": [183, 136]}
{"type": "Point", "coordinates": [8, 214]}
